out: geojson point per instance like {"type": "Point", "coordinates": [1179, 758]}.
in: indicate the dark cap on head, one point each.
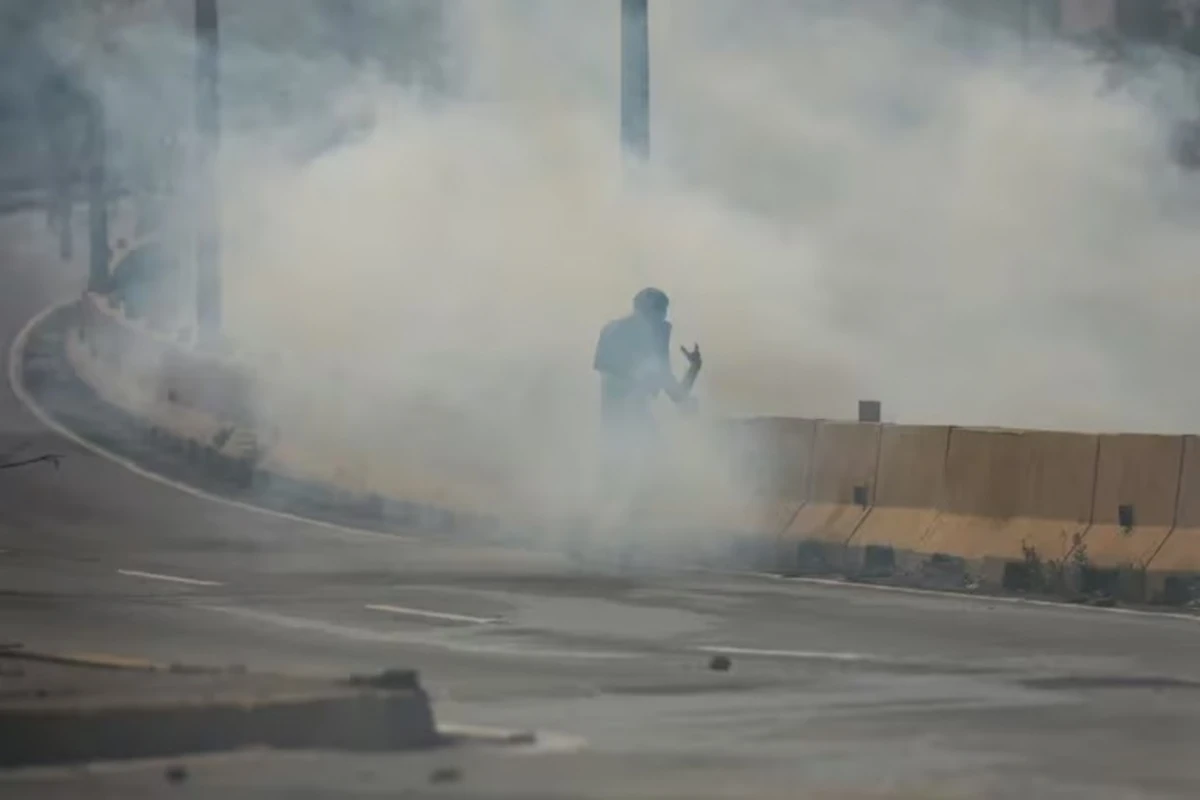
{"type": "Point", "coordinates": [650, 301]}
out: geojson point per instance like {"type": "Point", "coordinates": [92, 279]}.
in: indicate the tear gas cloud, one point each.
{"type": "Point", "coordinates": [845, 200]}
{"type": "Point", "coordinates": [840, 205]}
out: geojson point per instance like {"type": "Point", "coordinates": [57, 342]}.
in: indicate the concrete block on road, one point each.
{"type": "Point", "coordinates": [58, 710]}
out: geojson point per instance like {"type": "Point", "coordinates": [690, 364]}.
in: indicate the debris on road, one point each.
{"type": "Point", "coordinates": [445, 775]}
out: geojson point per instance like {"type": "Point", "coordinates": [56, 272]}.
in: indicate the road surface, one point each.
{"type": "Point", "coordinates": [834, 690]}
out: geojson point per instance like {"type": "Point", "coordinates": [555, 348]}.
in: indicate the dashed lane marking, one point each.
{"type": "Point", "coordinates": [520, 650]}
{"type": "Point", "coordinates": [157, 576]}
{"type": "Point", "coordinates": [801, 655]}
{"type": "Point", "coordinates": [439, 615]}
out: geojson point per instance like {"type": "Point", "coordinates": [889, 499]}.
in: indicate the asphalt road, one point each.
{"type": "Point", "coordinates": [834, 690]}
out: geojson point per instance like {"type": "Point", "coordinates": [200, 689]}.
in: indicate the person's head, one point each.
{"type": "Point", "coordinates": [651, 303]}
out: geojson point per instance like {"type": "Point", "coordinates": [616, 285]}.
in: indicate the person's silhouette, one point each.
{"type": "Point", "coordinates": [632, 359]}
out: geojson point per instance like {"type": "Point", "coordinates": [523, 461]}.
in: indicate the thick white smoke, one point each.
{"type": "Point", "coordinates": [844, 201]}
{"type": "Point", "coordinates": [840, 205]}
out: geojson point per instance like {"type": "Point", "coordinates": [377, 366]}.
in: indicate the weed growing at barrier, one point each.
{"type": "Point", "coordinates": [1035, 575]}
{"type": "Point", "coordinates": [1079, 555]}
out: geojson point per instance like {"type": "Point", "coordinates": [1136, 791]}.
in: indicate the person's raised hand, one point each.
{"type": "Point", "coordinates": [693, 357]}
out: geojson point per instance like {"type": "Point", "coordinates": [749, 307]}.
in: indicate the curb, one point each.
{"type": "Point", "coordinates": [109, 707]}
{"type": "Point", "coordinates": [76, 411]}
{"type": "Point", "coordinates": [215, 487]}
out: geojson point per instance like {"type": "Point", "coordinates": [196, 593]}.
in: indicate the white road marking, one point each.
{"type": "Point", "coordinates": [951, 595]}
{"type": "Point", "coordinates": [442, 615]}
{"type": "Point", "coordinates": [22, 393]}
{"type": "Point", "coordinates": [520, 742]}
{"type": "Point", "coordinates": [521, 649]}
{"type": "Point", "coordinates": [155, 576]}
{"type": "Point", "coordinates": [515, 650]}
{"type": "Point", "coordinates": [485, 733]}
{"type": "Point", "coordinates": [805, 655]}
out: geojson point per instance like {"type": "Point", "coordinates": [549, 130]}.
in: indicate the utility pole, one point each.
{"type": "Point", "coordinates": [1024, 25]}
{"type": "Point", "coordinates": [59, 105]}
{"type": "Point", "coordinates": [97, 183]}
{"type": "Point", "coordinates": [635, 77]}
{"type": "Point", "coordinates": [347, 20]}
{"type": "Point", "coordinates": [208, 133]}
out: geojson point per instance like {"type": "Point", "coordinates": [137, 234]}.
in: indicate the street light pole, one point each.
{"type": "Point", "coordinates": [208, 131]}
{"type": "Point", "coordinates": [1028, 11]}
{"type": "Point", "coordinates": [97, 180]}
{"type": "Point", "coordinates": [635, 77]}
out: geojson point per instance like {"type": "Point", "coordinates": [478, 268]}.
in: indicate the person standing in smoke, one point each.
{"type": "Point", "coordinates": [632, 357]}
{"type": "Point", "coordinates": [634, 365]}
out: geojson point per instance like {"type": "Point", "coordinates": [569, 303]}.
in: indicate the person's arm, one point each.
{"type": "Point", "coordinates": [680, 391]}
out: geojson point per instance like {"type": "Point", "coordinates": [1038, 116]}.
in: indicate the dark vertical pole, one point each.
{"type": "Point", "coordinates": [635, 77]}
{"type": "Point", "coordinates": [1026, 28]}
{"type": "Point", "coordinates": [1050, 16]}
{"type": "Point", "coordinates": [353, 34]}
{"type": "Point", "coordinates": [208, 242]}
{"type": "Point", "coordinates": [97, 147]}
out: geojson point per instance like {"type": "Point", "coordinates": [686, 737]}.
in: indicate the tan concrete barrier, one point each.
{"type": "Point", "coordinates": [844, 463]}
{"type": "Point", "coordinates": [1136, 493]}
{"type": "Point", "coordinates": [1179, 554]}
{"type": "Point", "coordinates": [1013, 495]}
{"type": "Point", "coordinates": [910, 490]}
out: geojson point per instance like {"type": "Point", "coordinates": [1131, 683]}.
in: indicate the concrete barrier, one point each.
{"type": "Point", "coordinates": [63, 709]}
{"type": "Point", "coordinates": [1136, 494]}
{"type": "Point", "coordinates": [844, 463]}
{"type": "Point", "coordinates": [1013, 497]}
{"type": "Point", "coordinates": [1174, 568]}
{"type": "Point", "coordinates": [910, 492]}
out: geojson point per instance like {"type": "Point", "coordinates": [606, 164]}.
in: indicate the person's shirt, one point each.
{"type": "Point", "coordinates": [631, 357]}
